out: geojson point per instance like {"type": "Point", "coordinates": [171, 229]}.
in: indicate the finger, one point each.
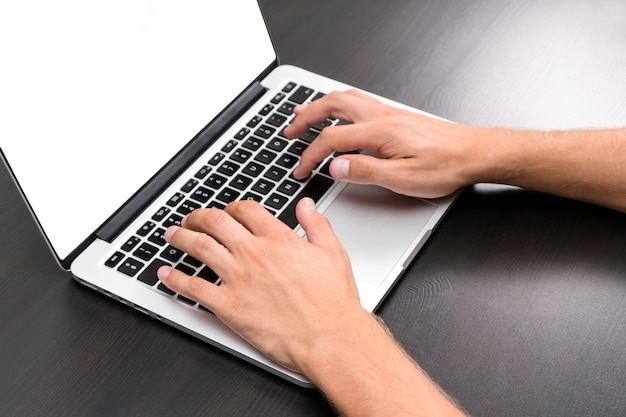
{"type": "Point", "coordinates": [316, 226]}
{"type": "Point", "coordinates": [364, 169]}
{"type": "Point", "coordinates": [196, 288]}
{"type": "Point", "coordinates": [254, 217]}
{"type": "Point", "coordinates": [331, 139]}
{"type": "Point", "coordinates": [218, 224]}
{"type": "Point", "coordinates": [363, 136]}
{"type": "Point", "coordinates": [351, 106]}
{"type": "Point", "coordinates": [201, 246]}
{"type": "Point", "coordinates": [398, 175]}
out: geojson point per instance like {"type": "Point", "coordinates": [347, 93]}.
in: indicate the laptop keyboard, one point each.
{"type": "Point", "coordinates": [256, 164]}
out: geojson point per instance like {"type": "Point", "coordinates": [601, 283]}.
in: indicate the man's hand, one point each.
{"type": "Point", "coordinates": [407, 153]}
{"type": "Point", "coordinates": [282, 293]}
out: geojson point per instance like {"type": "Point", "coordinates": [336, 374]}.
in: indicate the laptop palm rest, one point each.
{"type": "Point", "coordinates": [371, 222]}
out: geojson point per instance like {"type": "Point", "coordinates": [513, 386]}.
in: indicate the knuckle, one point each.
{"type": "Point", "coordinates": [196, 287]}
{"type": "Point", "coordinates": [204, 244]}
{"type": "Point", "coordinates": [204, 216]}
{"type": "Point", "coordinates": [244, 206]}
{"type": "Point", "coordinates": [337, 94]}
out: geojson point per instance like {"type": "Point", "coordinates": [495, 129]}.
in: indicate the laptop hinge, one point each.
{"type": "Point", "coordinates": [129, 211]}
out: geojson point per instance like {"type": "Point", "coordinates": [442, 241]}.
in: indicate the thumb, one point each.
{"type": "Point", "coordinates": [362, 169]}
{"type": "Point", "coordinates": [316, 226]}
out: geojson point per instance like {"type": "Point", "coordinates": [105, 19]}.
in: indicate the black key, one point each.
{"type": "Point", "coordinates": [278, 98]}
{"type": "Point", "coordinates": [228, 168]}
{"type": "Point", "coordinates": [317, 96]}
{"type": "Point", "coordinates": [157, 237]}
{"type": "Point", "coordinates": [160, 215]}
{"type": "Point", "coordinates": [276, 119]}
{"type": "Point", "coordinates": [149, 275]}
{"type": "Point", "coordinates": [187, 207]}
{"type": "Point", "coordinates": [114, 259]}
{"type": "Point", "coordinates": [315, 189]}
{"type": "Point", "coordinates": [252, 143]}
{"type": "Point", "coordinates": [266, 110]}
{"type": "Point", "coordinates": [227, 195]}
{"type": "Point", "coordinates": [145, 229]}
{"type": "Point", "coordinates": [201, 307]}
{"type": "Point", "coordinates": [130, 267]}
{"type": "Point", "coordinates": [310, 135]}
{"type": "Point", "coordinates": [216, 205]}
{"type": "Point", "coordinates": [301, 94]}
{"type": "Point", "coordinates": [253, 169]}
{"type": "Point", "coordinates": [282, 132]}
{"type": "Point", "coordinates": [215, 181]}
{"type": "Point", "coordinates": [265, 157]}
{"type": "Point", "coordinates": [186, 300]}
{"type": "Point", "coordinates": [173, 220]}
{"type": "Point", "coordinates": [166, 290]}
{"type": "Point", "coordinates": [202, 194]}
{"type": "Point", "coordinates": [298, 147]}
{"type": "Point", "coordinates": [216, 159]}
{"type": "Point", "coordinates": [145, 251]}
{"type": "Point", "coordinates": [286, 108]}
{"type": "Point", "coordinates": [240, 182]}
{"type": "Point", "coordinates": [207, 274]}
{"type": "Point", "coordinates": [263, 186]}
{"type": "Point", "coordinates": [289, 87]}
{"type": "Point", "coordinates": [322, 125]}
{"type": "Point", "coordinates": [275, 173]}
{"type": "Point", "coordinates": [254, 121]}
{"type": "Point", "coordinates": [230, 145]}
{"type": "Point", "coordinates": [192, 261]}
{"type": "Point", "coordinates": [130, 244]}
{"type": "Point", "coordinates": [242, 133]}
{"type": "Point", "coordinates": [265, 131]}
{"type": "Point", "coordinates": [176, 198]}
{"type": "Point", "coordinates": [185, 269]}
{"type": "Point", "coordinates": [189, 185]}
{"type": "Point", "coordinates": [325, 169]}
{"type": "Point", "coordinates": [241, 155]}
{"type": "Point", "coordinates": [172, 254]}
{"type": "Point", "coordinates": [277, 144]}
{"type": "Point", "coordinates": [252, 197]}
{"type": "Point", "coordinates": [203, 172]}
{"type": "Point", "coordinates": [276, 201]}
{"type": "Point", "coordinates": [287, 160]}
{"type": "Point", "coordinates": [288, 187]}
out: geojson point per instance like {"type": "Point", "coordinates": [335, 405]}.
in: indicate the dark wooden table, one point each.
{"type": "Point", "coordinates": [517, 306]}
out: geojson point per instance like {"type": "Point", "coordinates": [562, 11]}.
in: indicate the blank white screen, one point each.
{"type": "Point", "coordinates": [86, 87]}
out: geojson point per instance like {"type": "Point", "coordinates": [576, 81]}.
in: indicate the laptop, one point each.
{"type": "Point", "coordinates": [119, 118]}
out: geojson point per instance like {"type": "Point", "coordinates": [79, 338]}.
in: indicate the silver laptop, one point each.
{"type": "Point", "coordinates": [119, 118]}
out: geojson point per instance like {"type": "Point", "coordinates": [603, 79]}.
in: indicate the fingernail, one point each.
{"type": "Point", "coordinates": [300, 107]}
{"type": "Point", "coordinates": [163, 272]}
{"type": "Point", "coordinates": [169, 232]}
{"type": "Point", "coordinates": [340, 168]}
{"type": "Point", "coordinates": [309, 204]}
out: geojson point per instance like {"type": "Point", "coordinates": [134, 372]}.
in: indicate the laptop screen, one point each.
{"type": "Point", "coordinates": [96, 96]}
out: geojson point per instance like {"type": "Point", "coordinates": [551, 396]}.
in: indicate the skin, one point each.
{"type": "Point", "coordinates": [425, 157]}
{"type": "Point", "coordinates": [295, 299]}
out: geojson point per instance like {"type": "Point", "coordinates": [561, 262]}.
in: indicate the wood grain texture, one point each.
{"type": "Point", "coordinates": [516, 306]}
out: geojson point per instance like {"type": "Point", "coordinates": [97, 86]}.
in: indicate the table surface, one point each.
{"type": "Point", "coordinates": [516, 306]}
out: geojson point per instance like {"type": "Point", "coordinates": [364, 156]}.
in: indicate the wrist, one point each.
{"type": "Point", "coordinates": [337, 345]}
{"type": "Point", "coordinates": [363, 371]}
{"type": "Point", "coordinates": [502, 155]}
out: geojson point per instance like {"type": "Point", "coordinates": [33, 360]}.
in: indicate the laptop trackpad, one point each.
{"type": "Point", "coordinates": [376, 226]}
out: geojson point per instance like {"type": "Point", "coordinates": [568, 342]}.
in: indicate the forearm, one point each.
{"type": "Point", "coordinates": [364, 372]}
{"type": "Point", "coordinates": [587, 165]}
